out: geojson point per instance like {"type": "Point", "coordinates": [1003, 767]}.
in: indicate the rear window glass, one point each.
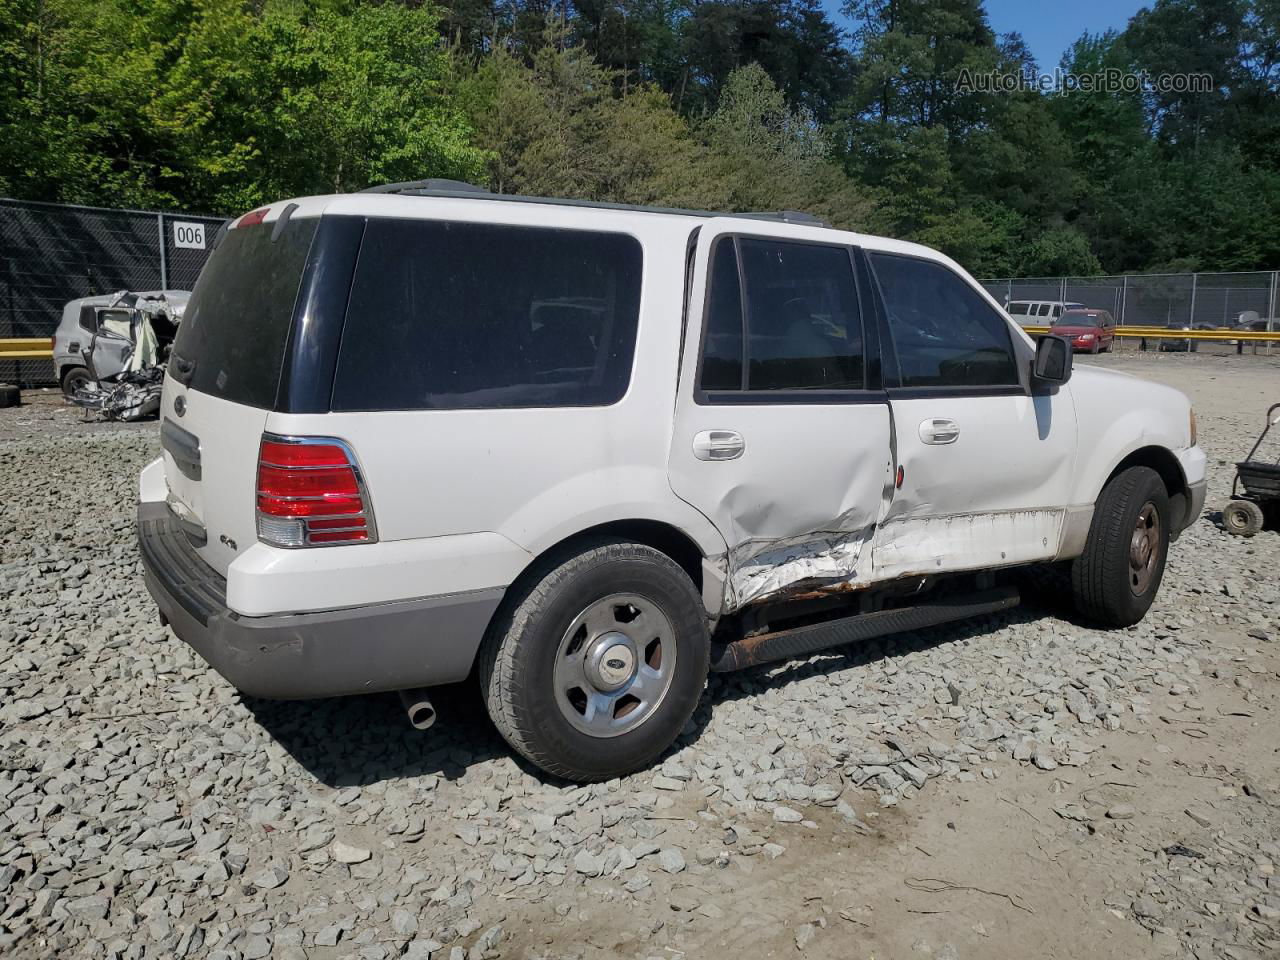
{"type": "Point", "coordinates": [465, 315]}
{"type": "Point", "coordinates": [237, 321]}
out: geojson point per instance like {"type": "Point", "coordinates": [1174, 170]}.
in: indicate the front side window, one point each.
{"type": "Point", "coordinates": [1018, 309]}
{"type": "Point", "coordinates": [447, 315]}
{"type": "Point", "coordinates": [790, 323]}
{"type": "Point", "coordinates": [944, 333]}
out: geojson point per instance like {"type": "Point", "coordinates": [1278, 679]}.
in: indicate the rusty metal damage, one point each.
{"type": "Point", "coordinates": [824, 561]}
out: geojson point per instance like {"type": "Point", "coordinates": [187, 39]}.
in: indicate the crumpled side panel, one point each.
{"type": "Point", "coordinates": [825, 559]}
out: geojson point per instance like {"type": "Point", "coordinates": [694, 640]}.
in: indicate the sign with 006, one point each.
{"type": "Point", "coordinates": [188, 235]}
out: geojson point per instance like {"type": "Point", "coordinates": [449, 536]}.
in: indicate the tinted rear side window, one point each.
{"type": "Point", "coordinates": [466, 315]}
{"type": "Point", "coordinates": [237, 321]}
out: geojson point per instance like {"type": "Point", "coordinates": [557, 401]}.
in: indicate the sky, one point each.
{"type": "Point", "coordinates": [1048, 26]}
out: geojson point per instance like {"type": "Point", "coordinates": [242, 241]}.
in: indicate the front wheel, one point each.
{"type": "Point", "coordinates": [1116, 579]}
{"type": "Point", "coordinates": [594, 667]}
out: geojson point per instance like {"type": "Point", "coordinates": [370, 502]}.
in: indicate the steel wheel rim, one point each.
{"type": "Point", "coordinates": [614, 665]}
{"type": "Point", "coordinates": [1236, 518]}
{"type": "Point", "coordinates": [1144, 549]}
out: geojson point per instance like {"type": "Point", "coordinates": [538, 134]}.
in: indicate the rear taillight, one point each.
{"type": "Point", "coordinates": [311, 494]}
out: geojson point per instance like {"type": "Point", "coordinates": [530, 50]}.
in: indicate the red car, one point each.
{"type": "Point", "coordinates": [1092, 330]}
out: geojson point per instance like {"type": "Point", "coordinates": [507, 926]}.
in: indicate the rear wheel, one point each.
{"type": "Point", "coordinates": [1116, 579]}
{"type": "Point", "coordinates": [73, 379]}
{"type": "Point", "coordinates": [1243, 518]}
{"type": "Point", "coordinates": [593, 669]}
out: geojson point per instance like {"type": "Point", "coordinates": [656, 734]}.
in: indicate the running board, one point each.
{"type": "Point", "coordinates": [804, 641]}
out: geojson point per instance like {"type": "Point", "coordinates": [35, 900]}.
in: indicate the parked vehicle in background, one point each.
{"type": "Point", "coordinates": [592, 452]}
{"type": "Point", "coordinates": [1039, 313]}
{"type": "Point", "coordinates": [1090, 330]}
{"type": "Point", "coordinates": [1188, 345]}
{"type": "Point", "coordinates": [1256, 324]}
{"type": "Point", "coordinates": [109, 350]}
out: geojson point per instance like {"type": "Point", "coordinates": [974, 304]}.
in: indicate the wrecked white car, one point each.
{"type": "Point", "coordinates": [109, 351]}
{"type": "Point", "coordinates": [591, 452]}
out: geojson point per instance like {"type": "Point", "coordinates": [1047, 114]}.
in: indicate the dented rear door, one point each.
{"type": "Point", "coordinates": [781, 431]}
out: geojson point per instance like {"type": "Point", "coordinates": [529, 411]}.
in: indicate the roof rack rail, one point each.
{"type": "Point", "coordinates": [457, 189]}
{"type": "Point", "coordinates": [433, 185]}
{"type": "Point", "coordinates": [786, 216]}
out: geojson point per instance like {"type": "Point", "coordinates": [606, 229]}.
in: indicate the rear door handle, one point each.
{"type": "Point", "coordinates": [719, 445]}
{"type": "Point", "coordinates": [939, 431]}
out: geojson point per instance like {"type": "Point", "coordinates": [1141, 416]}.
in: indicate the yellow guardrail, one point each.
{"type": "Point", "coordinates": [1168, 333]}
{"type": "Point", "coordinates": [24, 348]}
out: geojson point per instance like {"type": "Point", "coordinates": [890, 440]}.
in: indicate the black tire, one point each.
{"type": "Point", "coordinates": [1244, 518]}
{"type": "Point", "coordinates": [1107, 587]}
{"type": "Point", "coordinates": [523, 645]}
{"type": "Point", "coordinates": [72, 378]}
{"type": "Point", "coordinates": [10, 396]}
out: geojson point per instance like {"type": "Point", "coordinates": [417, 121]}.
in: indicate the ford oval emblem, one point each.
{"type": "Point", "coordinates": [180, 405]}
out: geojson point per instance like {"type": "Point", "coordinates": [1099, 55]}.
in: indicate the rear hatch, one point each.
{"type": "Point", "coordinates": [223, 377]}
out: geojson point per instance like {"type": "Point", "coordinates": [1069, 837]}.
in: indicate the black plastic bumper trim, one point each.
{"type": "Point", "coordinates": [385, 646]}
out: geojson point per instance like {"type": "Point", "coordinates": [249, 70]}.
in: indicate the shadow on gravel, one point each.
{"type": "Point", "coordinates": [748, 683]}
{"type": "Point", "coordinates": [358, 741]}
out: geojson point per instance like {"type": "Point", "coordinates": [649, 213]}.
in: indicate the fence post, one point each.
{"type": "Point", "coordinates": [1062, 286]}
{"type": "Point", "coordinates": [1191, 317]}
{"type": "Point", "coordinates": [1124, 299]}
{"type": "Point", "coordinates": [164, 266]}
{"type": "Point", "coordinates": [1271, 309]}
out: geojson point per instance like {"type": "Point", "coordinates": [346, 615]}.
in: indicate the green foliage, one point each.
{"type": "Point", "coordinates": [715, 104]}
{"type": "Point", "coordinates": [219, 104]}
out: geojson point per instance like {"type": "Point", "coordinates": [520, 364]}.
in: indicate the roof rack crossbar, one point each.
{"type": "Point", "coordinates": [456, 189]}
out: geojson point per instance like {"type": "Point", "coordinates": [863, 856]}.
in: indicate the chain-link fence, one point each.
{"type": "Point", "coordinates": [51, 253]}
{"type": "Point", "coordinates": [1195, 300]}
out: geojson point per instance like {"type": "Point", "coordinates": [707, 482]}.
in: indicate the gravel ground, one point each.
{"type": "Point", "coordinates": [1015, 786]}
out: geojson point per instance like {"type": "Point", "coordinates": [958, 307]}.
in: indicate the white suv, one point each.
{"type": "Point", "coordinates": [591, 452]}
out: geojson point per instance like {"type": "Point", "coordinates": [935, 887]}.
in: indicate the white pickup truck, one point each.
{"type": "Point", "coordinates": [589, 452]}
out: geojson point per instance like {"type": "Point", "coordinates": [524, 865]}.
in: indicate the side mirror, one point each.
{"type": "Point", "coordinates": [1053, 360]}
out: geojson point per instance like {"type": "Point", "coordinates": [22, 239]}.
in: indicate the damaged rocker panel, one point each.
{"type": "Point", "coordinates": [829, 562]}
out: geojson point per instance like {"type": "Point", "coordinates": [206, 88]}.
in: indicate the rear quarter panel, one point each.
{"type": "Point", "coordinates": [536, 476]}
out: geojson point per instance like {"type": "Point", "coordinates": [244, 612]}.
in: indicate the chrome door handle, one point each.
{"type": "Point", "coordinates": [719, 445]}
{"type": "Point", "coordinates": [939, 431]}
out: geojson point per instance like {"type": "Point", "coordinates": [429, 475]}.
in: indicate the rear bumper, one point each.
{"type": "Point", "coordinates": [383, 646]}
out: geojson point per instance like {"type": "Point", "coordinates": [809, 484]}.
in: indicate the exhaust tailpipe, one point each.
{"type": "Point", "coordinates": [417, 705]}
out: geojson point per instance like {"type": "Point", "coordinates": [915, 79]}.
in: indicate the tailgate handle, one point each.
{"type": "Point", "coordinates": [183, 446]}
